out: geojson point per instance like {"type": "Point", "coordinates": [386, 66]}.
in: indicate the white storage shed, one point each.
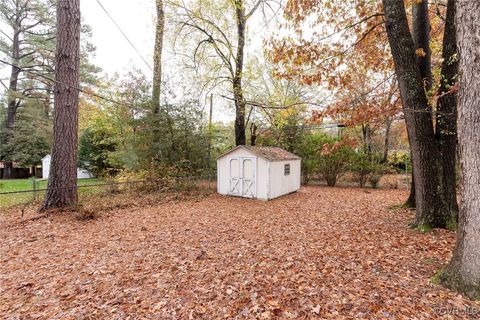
{"type": "Point", "coordinates": [258, 172]}
{"type": "Point", "coordinates": [81, 173]}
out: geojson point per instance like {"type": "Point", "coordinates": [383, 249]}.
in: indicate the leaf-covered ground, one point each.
{"type": "Point", "coordinates": [322, 253]}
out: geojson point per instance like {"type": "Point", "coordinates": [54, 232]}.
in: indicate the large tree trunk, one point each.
{"type": "Point", "coordinates": [157, 56]}
{"type": "Point", "coordinates": [446, 119]}
{"type": "Point", "coordinates": [62, 182]}
{"type": "Point", "coordinates": [240, 138]}
{"type": "Point", "coordinates": [410, 203]}
{"type": "Point", "coordinates": [418, 117]}
{"type": "Point", "coordinates": [421, 39]}
{"type": "Point", "coordinates": [464, 269]}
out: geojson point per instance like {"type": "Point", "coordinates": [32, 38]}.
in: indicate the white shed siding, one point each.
{"type": "Point", "coordinates": [281, 184]}
{"type": "Point", "coordinates": [270, 181]}
{"type": "Point", "coordinates": [46, 166]}
{"type": "Point", "coordinates": [262, 178]}
{"type": "Point", "coordinates": [223, 173]}
{"type": "Point", "coordinates": [81, 173]}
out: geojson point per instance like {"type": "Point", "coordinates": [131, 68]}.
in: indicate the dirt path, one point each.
{"type": "Point", "coordinates": [322, 253]}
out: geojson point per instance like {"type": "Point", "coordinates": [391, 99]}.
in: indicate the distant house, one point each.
{"type": "Point", "coordinates": [18, 171]}
{"type": "Point", "coordinates": [258, 172]}
{"type": "Point", "coordinates": [332, 129]}
{"type": "Point", "coordinates": [81, 173]}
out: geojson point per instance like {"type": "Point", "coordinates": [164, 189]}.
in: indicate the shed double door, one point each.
{"type": "Point", "coordinates": [243, 177]}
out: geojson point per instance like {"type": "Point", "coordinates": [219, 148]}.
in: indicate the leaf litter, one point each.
{"type": "Point", "coordinates": [321, 253]}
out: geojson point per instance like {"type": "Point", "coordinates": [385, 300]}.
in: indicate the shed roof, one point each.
{"type": "Point", "coordinates": [268, 153]}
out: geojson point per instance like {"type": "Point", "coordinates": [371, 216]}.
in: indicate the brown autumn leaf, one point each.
{"type": "Point", "coordinates": [321, 253]}
{"type": "Point", "coordinates": [420, 53]}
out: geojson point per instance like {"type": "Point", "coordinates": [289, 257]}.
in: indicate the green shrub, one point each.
{"type": "Point", "coordinates": [400, 161]}
{"type": "Point", "coordinates": [362, 166]}
{"type": "Point", "coordinates": [376, 175]}
{"type": "Point", "coordinates": [156, 177]}
{"type": "Point", "coordinates": [335, 159]}
{"type": "Point", "coordinates": [308, 150]}
{"type": "Point", "coordinates": [95, 146]}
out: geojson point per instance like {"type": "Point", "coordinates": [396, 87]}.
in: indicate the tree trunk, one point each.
{"type": "Point", "coordinates": [410, 203]}
{"type": "Point", "coordinates": [331, 180]}
{"type": "Point", "coordinates": [253, 134]}
{"type": "Point", "coordinates": [62, 189]}
{"type": "Point", "coordinates": [421, 39]}
{"type": "Point", "coordinates": [157, 56]}
{"type": "Point", "coordinates": [446, 118]}
{"type": "Point", "coordinates": [418, 117]}
{"type": "Point", "coordinates": [12, 96]}
{"type": "Point", "coordinates": [240, 138]}
{"type": "Point", "coordinates": [386, 145]}
{"type": "Point", "coordinates": [464, 269]}
{"type": "Point", "coordinates": [367, 138]}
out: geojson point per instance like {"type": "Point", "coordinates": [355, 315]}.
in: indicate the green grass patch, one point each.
{"type": "Point", "coordinates": [423, 228]}
{"type": "Point", "coordinates": [396, 207]}
{"type": "Point", "coordinates": [452, 281]}
{"type": "Point", "coordinates": [400, 206]}
{"type": "Point", "coordinates": [18, 197]}
{"type": "Point", "coordinates": [27, 184]}
{"type": "Point", "coordinates": [19, 185]}
{"type": "Point", "coordinates": [430, 261]}
{"type": "Point", "coordinates": [439, 277]}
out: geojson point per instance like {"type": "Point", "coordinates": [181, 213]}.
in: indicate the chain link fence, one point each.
{"type": "Point", "coordinates": [32, 191]}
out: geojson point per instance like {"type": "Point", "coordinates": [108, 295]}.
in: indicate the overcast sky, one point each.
{"type": "Point", "coordinates": [114, 54]}
{"type": "Point", "coordinates": [136, 18]}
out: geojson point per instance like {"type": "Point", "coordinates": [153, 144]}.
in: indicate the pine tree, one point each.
{"type": "Point", "coordinates": [62, 190]}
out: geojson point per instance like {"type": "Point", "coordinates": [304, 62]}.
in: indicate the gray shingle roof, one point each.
{"type": "Point", "coordinates": [269, 153]}
{"type": "Point", "coordinates": [273, 153]}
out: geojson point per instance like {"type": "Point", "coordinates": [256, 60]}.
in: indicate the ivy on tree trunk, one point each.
{"type": "Point", "coordinates": [240, 138]}
{"type": "Point", "coordinates": [157, 56]}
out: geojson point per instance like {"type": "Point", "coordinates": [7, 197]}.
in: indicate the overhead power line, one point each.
{"type": "Point", "coordinates": [87, 92]}
{"type": "Point", "coordinates": [96, 95]}
{"type": "Point", "coordinates": [3, 84]}
{"type": "Point", "coordinates": [124, 35]}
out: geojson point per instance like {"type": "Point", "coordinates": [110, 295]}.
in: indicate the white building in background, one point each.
{"type": "Point", "coordinates": [258, 172]}
{"type": "Point", "coordinates": [81, 173]}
